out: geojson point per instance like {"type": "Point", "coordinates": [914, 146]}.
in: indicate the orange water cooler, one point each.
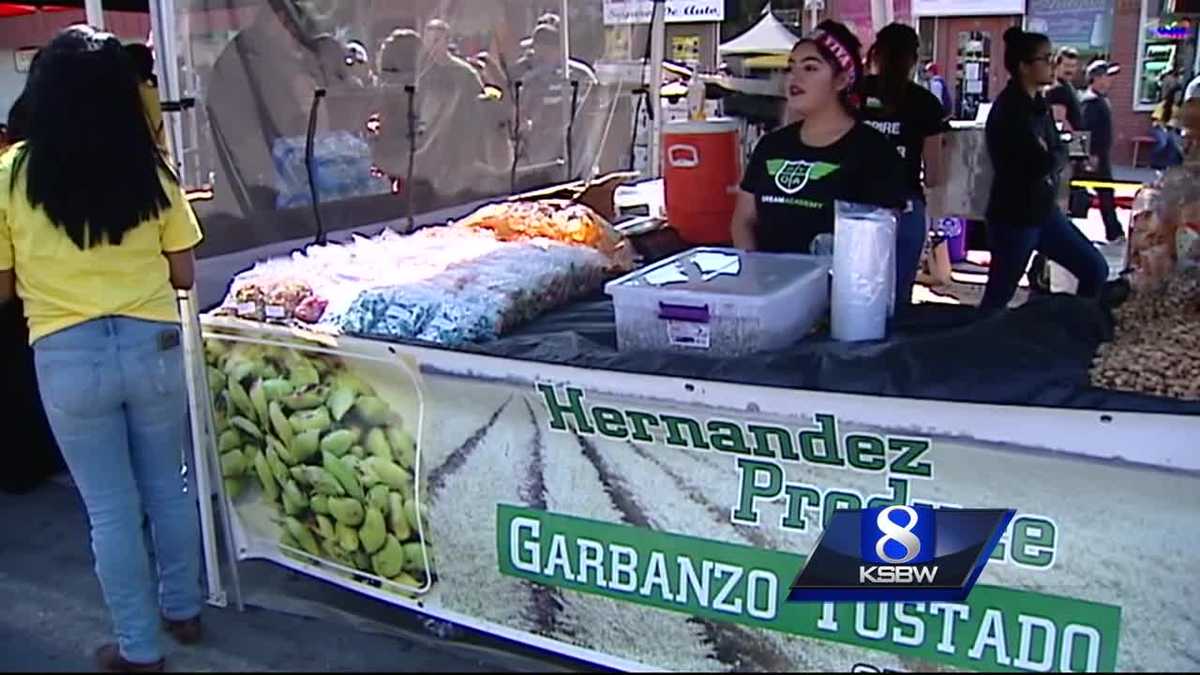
{"type": "Point", "coordinates": [702, 166]}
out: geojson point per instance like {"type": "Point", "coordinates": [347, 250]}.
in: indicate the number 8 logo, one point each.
{"type": "Point", "coordinates": [901, 535]}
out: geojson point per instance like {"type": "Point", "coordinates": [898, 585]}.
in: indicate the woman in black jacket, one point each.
{"type": "Point", "coordinates": [1028, 157]}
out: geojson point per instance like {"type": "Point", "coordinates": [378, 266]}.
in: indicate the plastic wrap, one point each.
{"type": "Point", "coordinates": [448, 285]}
{"type": "Point", "coordinates": [1165, 235]}
{"type": "Point", "coordinates": [341, 169]}
{"type": "Point", "coordinates": [864, 271]}
{"type": "Point", "coordinates": [424, 92]}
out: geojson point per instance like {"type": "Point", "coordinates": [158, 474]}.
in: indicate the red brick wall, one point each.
{"type": "Point", "coordinates": [1127, 123]}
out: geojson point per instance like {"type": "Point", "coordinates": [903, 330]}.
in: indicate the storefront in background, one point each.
{"type": "Point", "coordinates": [1085, 25]}
{"type": "Point", "coordinates": [968, 46]}
{"type": "Point", "coordinates": [1149, 36]}
{"type": "Point", "coordinates": [1166, 41]}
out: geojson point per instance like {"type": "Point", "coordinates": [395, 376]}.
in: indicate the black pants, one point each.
{"type": "Point", "coordinates": [1058, 239]}
{"type": "Point", "coordinates": [1108, 202]}
{"type": "Point", "coordinates": [33, 455]}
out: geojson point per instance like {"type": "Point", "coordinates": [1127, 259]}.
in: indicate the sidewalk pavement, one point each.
{"type": "Point", "coordinates": [54, 616]}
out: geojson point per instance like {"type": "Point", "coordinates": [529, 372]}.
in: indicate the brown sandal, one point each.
{"type": "Point", "coordinates": [109, 658]}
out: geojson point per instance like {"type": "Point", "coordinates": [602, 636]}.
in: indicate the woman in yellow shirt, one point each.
{"type": "Point", "coordinates": [143, 66]}
{"type": "Point", "coordinates": [95, 236]}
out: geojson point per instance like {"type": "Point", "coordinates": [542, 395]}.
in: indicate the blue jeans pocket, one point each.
{"type": "Point", "coordinates": [70, 384]}
{"type": "Point", "coordinates": [168, 378]}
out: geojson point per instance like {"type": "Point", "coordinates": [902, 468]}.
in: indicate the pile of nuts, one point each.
{"type": "Point", "coordinates": [1156, 348]}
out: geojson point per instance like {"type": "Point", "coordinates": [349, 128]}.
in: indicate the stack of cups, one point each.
{"type": "Point", "coordinates": [864, 271]}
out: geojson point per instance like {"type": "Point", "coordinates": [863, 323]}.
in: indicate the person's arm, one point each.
{"type": "Point", "coordinates": [183, 269]}
{"type": "Point", "coordinates": [744, 226]}
{"type": "Point", "coordinates": [8, 277]}
{"type": "Point", "coordinates": [745, 221]}
{"type": "Point", "coordinates": [179, 236]}
{"type": "Point", "coordinates": [1014, 147]}
{"type": "Point", "coordinates": [8, 286]}
{"type": "Point", "coordinates": [935, 163]}
{"type": "Point", "coordinates": [936, 124]}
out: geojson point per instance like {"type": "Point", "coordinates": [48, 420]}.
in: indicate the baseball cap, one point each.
{"type": "Point", "coordinates": [1098, 68]}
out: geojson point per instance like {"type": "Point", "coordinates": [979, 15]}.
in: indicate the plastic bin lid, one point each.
{"type": "Point", "coordinates": [724, 271]}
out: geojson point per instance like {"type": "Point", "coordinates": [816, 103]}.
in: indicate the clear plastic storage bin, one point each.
{"type": "Point", "coordinates": [720, 302]}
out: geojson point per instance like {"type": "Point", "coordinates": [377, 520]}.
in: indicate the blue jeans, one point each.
{"type": "Point", "coordinates": [1058, 239]}
{"type": "Point", "coordinates": [1166, 152]}
{"type": "Point", "coordinates": [115, 393]}
{"type": "Point", "coordinates": [911, 230]}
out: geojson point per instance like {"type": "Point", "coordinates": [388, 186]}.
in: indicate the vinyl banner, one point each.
{"type": "Point", "coordinates": [678, 11]}
{"type": "Point", "coordinates": [642, 533]}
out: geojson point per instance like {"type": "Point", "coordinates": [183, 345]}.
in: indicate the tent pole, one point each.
{"type": "Point", "coordinates": [658, 48]}
{"type": "Point", "coordinates": [95, 13]}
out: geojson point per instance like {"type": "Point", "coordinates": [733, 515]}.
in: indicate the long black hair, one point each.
{"type": "Point", "coordinates": [895, 54]}
{"type": "Point", "coordinates": [1020, 47]}
{"type": "Point", "coordinates": [90, 160]}
{"type": "Point", "coordinates": [142, 58]}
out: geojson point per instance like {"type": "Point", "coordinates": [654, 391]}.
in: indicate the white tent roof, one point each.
{"type": "Point", "coordinates": [768, 36]}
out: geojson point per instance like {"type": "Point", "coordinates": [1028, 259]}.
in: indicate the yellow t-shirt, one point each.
{"type": "Point", "coordinates": [63, 286]}
{"type": "Point", "coordinates": [154, 118]}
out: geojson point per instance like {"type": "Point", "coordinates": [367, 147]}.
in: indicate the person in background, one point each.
{"type": "Point", "coordinates": [1189, 121]}
{"type": "Point", "coordinates": [936, 269]}
{"type": "Point", "coordinates": [1062, 96]}
{"type": "Point", "coordinates": [1097, 119]}
{"type": "Point", "coordinates": [796, 173]}
{"type": "Point", "coordinates": [1028, 156]}
{"type": "Point", "coordinates": [95, 236]}
{"type": "Point", "coordinates": [143, 64]}
{"type": "Point", "coordinates": [1193, 90]}
{"type": "Point", "coordinates": [1063, 99]}
{"type": "Point", "coordinates": [913, 120]}
{"type": "Point", "coordinates": [936, 84]}
{"type": "Point", "coordinates": [547, 97]}
{"type": "Point", "coordinates": [1164, 123]}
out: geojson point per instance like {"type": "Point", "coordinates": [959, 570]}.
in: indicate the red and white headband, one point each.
{"type": "Point", "coordinates": [833, 47]}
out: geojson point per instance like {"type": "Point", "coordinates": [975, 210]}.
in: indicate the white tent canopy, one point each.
{"type": "Point", "coordinates": [768, 36]}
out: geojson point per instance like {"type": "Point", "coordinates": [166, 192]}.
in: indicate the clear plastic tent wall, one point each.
{"type": "Point", "coordinates": [441, 102]}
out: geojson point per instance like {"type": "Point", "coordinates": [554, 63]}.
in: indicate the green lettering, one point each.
{"type": "Point", "coordinates": [727, 437]}
{"type": "Point", "coordinates": [641, 423]}
{"type": "Point", "coordinates": [783, 439]}
{"type": "Point", "coordinates": [558, 410]}
{"type": "Point", "coordinates": [610, 423]}
{"type": "Point", "coordinates": [1033, 541]}
{"type": "Point", "coordinates": [899, 489]}
{"type": "Point", "coordinates": [676, 425]}
{"type": "Point", "coordinates": [799, 497]}
{"type": "Point", "coordinates": [827, 435]}
{"type": "Point", "coordinates": [864, 452]}
{"type": "Point", "coordinates": [835, 500]}
{"type": "Point", "coordinates": [750, 490]}
{"type": "Point", "coordinates": [911, 450]}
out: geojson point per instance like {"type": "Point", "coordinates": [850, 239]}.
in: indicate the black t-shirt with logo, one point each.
{"type": "Point", "coordinates": [917, 116]}
{"type": "Point", "coordinates": [795, 185]}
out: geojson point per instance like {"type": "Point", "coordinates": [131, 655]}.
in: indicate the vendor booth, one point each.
{"type": "Point", "coordinates": [416, 380]}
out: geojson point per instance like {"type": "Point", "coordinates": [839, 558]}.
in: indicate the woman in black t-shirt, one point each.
{"type": "Point", "coordinates": [1028, 156]}
{"type": "Point", "coordinates": [912, 119]}
{"type": "Point", "coordinates": [796, 173]}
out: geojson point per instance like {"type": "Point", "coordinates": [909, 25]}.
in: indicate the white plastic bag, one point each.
{"type": "Point", "coordinates": [864, 271]}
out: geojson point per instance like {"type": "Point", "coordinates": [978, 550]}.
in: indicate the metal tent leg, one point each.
{"type": "Point", "coordinates": [203, 462]}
